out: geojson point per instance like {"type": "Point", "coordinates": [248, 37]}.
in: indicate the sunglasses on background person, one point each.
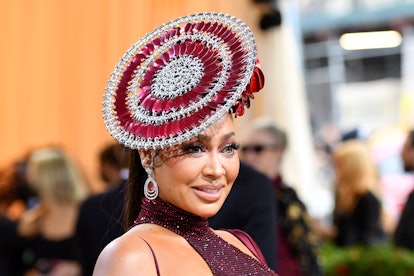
{"type": "Point", "coordinates": [257, 149]}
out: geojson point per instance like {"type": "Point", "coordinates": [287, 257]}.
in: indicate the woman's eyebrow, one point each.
{"type": "Point", "coordinates": [228, 135]}
{"type": "Point", "coordinates": [206, 138]}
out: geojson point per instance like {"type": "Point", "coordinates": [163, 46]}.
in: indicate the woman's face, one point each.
{"type": "Point", "coordinates": [200, 176]}
{"type": "Point", "coordinates": [261, 152]}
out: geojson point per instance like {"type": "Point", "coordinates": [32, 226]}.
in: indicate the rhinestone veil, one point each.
{"type": "Point", "coordinates": [178, 80]}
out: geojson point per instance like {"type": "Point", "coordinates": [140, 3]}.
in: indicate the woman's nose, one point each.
{"type": "Point", "coordinates": [214, 166]}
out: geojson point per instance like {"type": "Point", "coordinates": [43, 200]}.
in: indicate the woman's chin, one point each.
{"type": "Point", "coordinates": [211, 210]}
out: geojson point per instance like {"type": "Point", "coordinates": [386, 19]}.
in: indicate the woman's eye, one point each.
{"type": "Point", "coordinates": [193, 148]}
{"type": "Point", "coordinates": [231, 148]}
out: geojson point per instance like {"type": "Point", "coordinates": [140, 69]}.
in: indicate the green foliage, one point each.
{"type": "Point", "coordinates": [377, 260]}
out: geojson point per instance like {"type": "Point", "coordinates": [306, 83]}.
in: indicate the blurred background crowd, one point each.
{"type": "Point", "coordinates": [332, 130]}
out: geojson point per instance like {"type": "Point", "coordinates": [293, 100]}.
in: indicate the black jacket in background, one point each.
{"type": "Point", "coordinates": [11, 248]}
{"type": "Point", "coordinates": [363, 225]}
{"type": "Point", "coordinates": [100, 221]}
{"type": "Point", "coordinates": [404, 233]}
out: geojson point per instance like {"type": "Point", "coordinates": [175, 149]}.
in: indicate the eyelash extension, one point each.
{"type": "Point", "coordinates": [235, 146]}
{"type": "Point", "coordinates": [189, 148]}
{"type": "Point", "coordinates": [231, 146]}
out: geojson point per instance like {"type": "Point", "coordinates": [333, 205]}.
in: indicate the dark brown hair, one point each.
{"type": "Point", "coordinates": [134, 188]}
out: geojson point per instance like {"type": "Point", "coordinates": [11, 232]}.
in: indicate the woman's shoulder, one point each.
{"type": "Point", "coordinates": [368, 201]}
{"type": "Point", "coordinates": [29, 222]}
{"type": "Point", "coordinates": [124, 255]}
{"type": "Point", "coordinates": [369, 197]}
{"type": "Point", "coordinates": [147, 247]}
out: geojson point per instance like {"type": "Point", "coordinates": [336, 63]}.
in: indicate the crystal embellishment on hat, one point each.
{"type": "Point", "coordinates": [181, 78]}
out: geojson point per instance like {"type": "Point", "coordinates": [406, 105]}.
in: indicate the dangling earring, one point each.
{"type": "Point", "coordinates": [150, 186]}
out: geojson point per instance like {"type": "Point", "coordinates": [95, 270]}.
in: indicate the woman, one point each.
{"type": "Point", "coordinates": [170, 100]}
{"type": "Point", "coordinates": [50, 225]}
{"type": "Point", "coordinates": [357, 213]}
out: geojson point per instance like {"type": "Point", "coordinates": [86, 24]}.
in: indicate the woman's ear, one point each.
{"type": "Point", "coordinates": [145, 156]}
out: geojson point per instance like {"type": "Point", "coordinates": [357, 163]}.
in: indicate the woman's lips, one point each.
{"type": "Point", "coordinates": [209, 193]}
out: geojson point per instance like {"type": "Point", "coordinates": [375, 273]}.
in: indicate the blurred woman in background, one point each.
{"type": "Point", "coordinates": [357, 216]}
{"type": "Point", "coordinates": [50, 225]}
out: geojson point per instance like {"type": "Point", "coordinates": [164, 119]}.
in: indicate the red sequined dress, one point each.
{"type": "Point", "coordinates": [222, 257]}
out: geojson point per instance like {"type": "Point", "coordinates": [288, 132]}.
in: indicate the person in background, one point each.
{"type": "Point", "coordinates": [263, 148]}
{"type": "Point", "coordinates": [404, 233]}
{"type": "Point", "coordinates": [251, 207]}
{"type": "Point", "coordinates": [113, 164]}
{"type": "Point", "coordinates": [357, 215]}
{"type": "Point", "coordinates": [16, 196]}
{"type": "Point", "coordinates": [171, 99]}
{"type": "Point", "coordinates": [100, 217]}
{"type": "Point", "coordinates": [49, 226]}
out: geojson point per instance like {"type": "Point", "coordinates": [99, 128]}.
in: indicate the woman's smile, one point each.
{"type": "Point", "coordinates": [209, 193]}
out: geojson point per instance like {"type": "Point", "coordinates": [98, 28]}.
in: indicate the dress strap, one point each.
{"type": "Point", "coordinates": [248, 241]}
{"type": "Point", "coordinates": [155, 258]}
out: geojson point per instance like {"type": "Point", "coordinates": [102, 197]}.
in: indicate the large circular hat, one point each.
{"type": "Point", "coordinates": [179, 79]}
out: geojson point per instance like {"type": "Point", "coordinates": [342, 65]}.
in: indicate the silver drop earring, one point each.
{"type": "Point", "coordinates": [150, 186]}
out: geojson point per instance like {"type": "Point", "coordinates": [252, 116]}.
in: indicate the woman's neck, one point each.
{"type": "Point", "coordinates": [171, 217]}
